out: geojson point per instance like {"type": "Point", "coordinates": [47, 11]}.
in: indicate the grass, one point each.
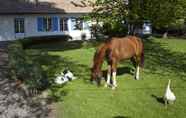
{"type": "Point", "coordinates": [164, 59]}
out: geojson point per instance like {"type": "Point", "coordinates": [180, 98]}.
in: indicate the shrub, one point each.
{"type": "Point", "coordinates": [114, 29]}
{"type": "Point", "coordinates": [25, 68]}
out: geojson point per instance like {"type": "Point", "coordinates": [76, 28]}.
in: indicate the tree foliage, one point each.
{"type": "Point", "coordinates": [112, 13]}
{"type": "Point", "coordinates": [162, 14]}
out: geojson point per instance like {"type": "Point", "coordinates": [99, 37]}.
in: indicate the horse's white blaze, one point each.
{"type": "Point", "coordinates": [114, 79]}
{"type": "Point", "coordinates": [137, 73]}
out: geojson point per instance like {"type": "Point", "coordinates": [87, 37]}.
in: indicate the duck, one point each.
{"type": "Point", "coordinates": [169, 96]}
{"type": "Point", "coordinates": [64, 77]}
{"type": "Point", "coordinates": [60, 79]}
{"type": "Point", "coordinates": [68, 75]}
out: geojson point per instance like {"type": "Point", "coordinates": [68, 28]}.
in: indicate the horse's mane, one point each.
{"type": "Point", "coordinates": [99, 55]}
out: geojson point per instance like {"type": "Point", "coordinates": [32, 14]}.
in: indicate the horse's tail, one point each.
{"type": "Point", "coordinates": [142, 58]}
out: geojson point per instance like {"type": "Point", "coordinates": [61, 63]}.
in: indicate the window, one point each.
{"type": "Point", "coordinates": [47, 24]}
{"type": "Point", "coordinates": [77, 24]}
{"type": "Point", "coordinates": [19, 25]}
{"type": "Point", "coordinates": [63, 24]}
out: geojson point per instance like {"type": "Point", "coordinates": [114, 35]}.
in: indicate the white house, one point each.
{"type": "Point", "coordinates": [32, 18]}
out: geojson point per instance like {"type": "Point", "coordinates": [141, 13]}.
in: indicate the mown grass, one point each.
{"type": "Point", "coordinates": [164, 59]}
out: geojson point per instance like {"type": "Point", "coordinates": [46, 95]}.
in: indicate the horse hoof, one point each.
{"type": "Point", "coordinates": [105, 85]}
{"type": "Point", "coordinates": [93, 82]}
{"type": "Point", "coordinates": [113, 87]}
{"type": "Point", "coordinates": [136, 78]}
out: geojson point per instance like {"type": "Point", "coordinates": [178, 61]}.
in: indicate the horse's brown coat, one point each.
{"type": "Point", "coordinates": [116, 49]}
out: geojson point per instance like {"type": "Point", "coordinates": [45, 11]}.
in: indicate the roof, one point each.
{"type": "Point", "coordinates": [44, 6]}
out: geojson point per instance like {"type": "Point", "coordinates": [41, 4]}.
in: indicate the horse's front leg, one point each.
{"type": "Point", "coordinates": [114, 75]}
{"type": "Point", "coordinates": [114, 80]}
{"type": "Point", "coordinates": [108, 76]}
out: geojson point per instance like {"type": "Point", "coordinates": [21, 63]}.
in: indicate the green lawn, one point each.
{"type": "Point", "coordinates": [164, 59]}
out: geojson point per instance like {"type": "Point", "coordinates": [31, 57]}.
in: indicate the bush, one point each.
{"type": "Point", "coordinates": [25, 68]}
{"type": "Point", "coordinates": [114, 29]}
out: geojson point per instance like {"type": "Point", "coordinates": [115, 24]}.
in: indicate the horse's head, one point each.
{"type": "Point", "coordinates": [96, 76]}
{"type": "Point", "coordinates": [96, 73]}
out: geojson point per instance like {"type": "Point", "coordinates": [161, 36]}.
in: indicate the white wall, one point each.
{"type": "Point", "coordinates": [7, 27]}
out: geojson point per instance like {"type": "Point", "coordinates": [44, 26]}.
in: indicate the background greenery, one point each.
{"type": "Point", "coordinates": [166, 15]}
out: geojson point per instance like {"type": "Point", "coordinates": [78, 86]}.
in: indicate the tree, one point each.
{"type": "Point", "coordinates": [162, 14]}
{"type": "Point", "coordinates": [112, 13]}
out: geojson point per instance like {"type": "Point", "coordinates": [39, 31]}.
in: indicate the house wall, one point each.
{"type": "Point", "coordinates": [7, 27]}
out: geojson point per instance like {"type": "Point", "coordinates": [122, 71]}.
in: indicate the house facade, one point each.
{"type": "Point", "coordinates": [35, 18]}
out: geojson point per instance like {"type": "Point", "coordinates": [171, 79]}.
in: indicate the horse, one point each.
{"type": "Point", "coordinates": [113, 51]}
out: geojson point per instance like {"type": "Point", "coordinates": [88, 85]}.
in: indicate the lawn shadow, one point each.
{"type": "Point", "coordinates": [121, 71]}
{"type": "Point", "coordinates": [162, 61]}
{"type": "Point", "coordinates": [121, 116]}
{"type": "Point", "coordinates": [50, 65]}
{"type": "Point", "coordinates": [57, 93]}
{"type": "Point", "coordinates": [158, 99]}
{"type": "Point", "coordinates": [53, 65]}
{"type": "Point", "coordinates": [58, 43]}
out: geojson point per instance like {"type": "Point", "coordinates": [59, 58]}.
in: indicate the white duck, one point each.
{"type": "Point", "coordinates": [169, 96]}
{"type": "Point", "coordinates": [64, 77]}
{"type": "Point", "coordinates": [60, 79]}
{"type": "Point", "coordinates": [69, 75]}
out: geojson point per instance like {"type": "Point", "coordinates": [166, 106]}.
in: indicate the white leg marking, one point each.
{"type": "Point", "coordinates": [108, 76]}
{"type": "Point", "coordinates": [137, 73]}
{"type": "Point", "coordinates": [114, 80]}
{"type": "Point", "coordinates": [108, 80]}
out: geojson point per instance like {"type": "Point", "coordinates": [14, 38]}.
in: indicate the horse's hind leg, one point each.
{"type": "Point", "coordinates": [135, 63]}
{"type": "Point", "coordinates": [133, 60]}
{"type": "Point", "coordinates": [137, 72]}
{"type": "Point", "coordinates": [137, 68]}
{"type": "Point", "coordinates": [108, 76]}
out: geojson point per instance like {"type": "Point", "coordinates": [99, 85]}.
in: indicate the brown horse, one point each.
{"type": "Point", "coordinates": [114, 50]}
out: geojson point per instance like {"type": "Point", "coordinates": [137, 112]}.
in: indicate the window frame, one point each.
{"type": "Point", "coordinates": [19, 25]}
{"type": "Point", "coordinates": [63, 24]}
{"type": "Point", "coordinates": [47, 24]}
